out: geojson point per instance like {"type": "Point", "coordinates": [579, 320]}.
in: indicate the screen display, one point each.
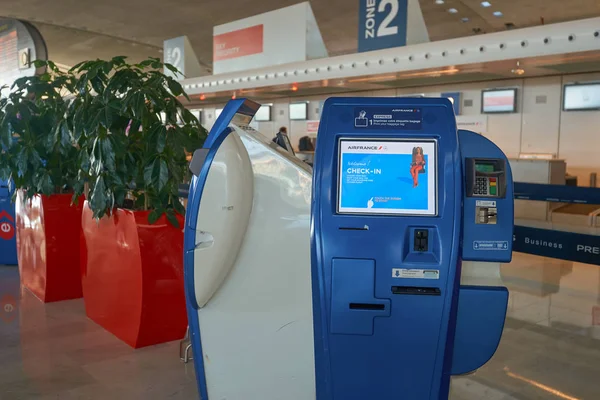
{"type": "Point", "coordinates": [387, 177]}
{"type": "Point", "coordinates": [263, 114]}
{"type": "Point", "coordinates": [298, 111]}
{"type": "Point", "coordinates": [499, 101]}
{"type": "Point", "coordinates": [485, 168]}
{"type": "Point", "coordinates": [582, 97]}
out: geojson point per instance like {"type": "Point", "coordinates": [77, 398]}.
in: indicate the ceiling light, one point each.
{"type": "Point", "coordinates": [465, 19]}
{"type": "Point", "coordinates": [453, 11]}
{"type": "Point", "coordinates": [498, 14]}
{"type": "Point", "coordinates": [439, 2]}
{"type": "Point", "coordinates": [486, 4]}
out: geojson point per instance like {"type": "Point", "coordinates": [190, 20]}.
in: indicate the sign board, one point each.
{"type": "Point", "coordinates": [390, 23]}
{"type": "Point", "coordinates": [179, 53]}
{"type": "Point", "coordinates": [312, 127]}
{"type": "Point", "coordinates": [256, 42]}
{"type": "Point", "coordinates": [475, 123]}
{"type": "Point", "coordinates": [20, 43]}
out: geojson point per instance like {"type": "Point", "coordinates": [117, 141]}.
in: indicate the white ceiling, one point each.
{"type": "Point", "coordinates": [82, 29]}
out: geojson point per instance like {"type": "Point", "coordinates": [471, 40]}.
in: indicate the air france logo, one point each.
{"type": "Point", "coordinates": [373, 148]}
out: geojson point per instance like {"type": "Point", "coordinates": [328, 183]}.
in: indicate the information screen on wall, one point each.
{"type": "Point", "coordinates": [387, 177]}
{"type": "Point", "coordinates": [499, 101]}
{"type": "Point", "coordinates": [263, 114]}
{"type": "Point", "coordinates": [298, 111]}
{"type": "Point", "coordinates": [580, 97]}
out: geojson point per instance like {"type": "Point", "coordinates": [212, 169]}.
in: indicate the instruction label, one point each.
{"type": "Point", "coordinates": [393, 118]}
{"type": "Point", "coordinates": [415, 273]}
{"type": "Point", "coordinates": [490, 245]}
{"type": "Point", "coordinates": [485, 203]}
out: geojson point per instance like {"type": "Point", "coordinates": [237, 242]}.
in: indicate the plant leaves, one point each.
{"type": "Point", "coordinates": [154, 216]}
{"type": "Point", "coordinates": [156, 175]}
{"type": "Point", "coordinates": [172, 218]}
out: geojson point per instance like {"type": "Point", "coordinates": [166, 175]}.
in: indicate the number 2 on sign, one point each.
{"type": "Point", "coordinates": [384, 29]}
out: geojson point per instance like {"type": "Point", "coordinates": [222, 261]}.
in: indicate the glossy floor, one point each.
{"type": "Point", "coordinates": [550, 348]}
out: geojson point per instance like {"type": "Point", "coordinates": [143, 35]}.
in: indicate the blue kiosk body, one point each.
{"type": "Point", "coordinates": [400, 198]}
{"type": "Point", "coordinates": [8, 239]}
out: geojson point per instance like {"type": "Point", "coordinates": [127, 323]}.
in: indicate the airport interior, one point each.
{"type": "Point", "coordinates": [300, 200]}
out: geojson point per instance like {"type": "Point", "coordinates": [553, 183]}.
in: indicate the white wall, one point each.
{"type": "Point", "coordinates": [538, 126]}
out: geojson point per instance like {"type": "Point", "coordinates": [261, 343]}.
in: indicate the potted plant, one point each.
{"type": "Point", "coordinates": [134, 135]}
{"type": "Point", "coordinates": [38, 155]}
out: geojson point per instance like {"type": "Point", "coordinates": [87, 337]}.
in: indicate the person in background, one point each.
{"type": "Point", "coordinates": [279, 139]}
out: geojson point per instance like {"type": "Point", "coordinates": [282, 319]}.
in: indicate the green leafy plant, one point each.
{"type": "Point", "coordinates": [134, 135]}
{"type": "Point", "coordinates": [38, 151]}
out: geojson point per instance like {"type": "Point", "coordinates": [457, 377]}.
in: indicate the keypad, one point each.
{"type": "Point", "coordinates": [481, 186]}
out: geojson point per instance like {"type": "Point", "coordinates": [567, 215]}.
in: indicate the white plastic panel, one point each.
{"type": "Point", "coordinates": [223, 217]}
{"type": "Point", "coordinates": [257, 329]}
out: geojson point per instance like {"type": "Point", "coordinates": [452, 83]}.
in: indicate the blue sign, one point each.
{"type": "Point", "coordinates": [454, 98]}
{"type": "Point", "coordinates": [557, 244]}
{"type": "Point", "coordinates": [393, 118]}
{"type": "Point", "coordinates": [382, 24]}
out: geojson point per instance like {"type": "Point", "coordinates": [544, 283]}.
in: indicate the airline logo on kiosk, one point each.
{"type": "Point", "coordinates": [240, 43]}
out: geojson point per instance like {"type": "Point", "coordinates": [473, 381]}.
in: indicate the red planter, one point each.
{"type": "Point", "coordinates": [48, 230]}
{"type": "Point", "coordinates": [132, 274]}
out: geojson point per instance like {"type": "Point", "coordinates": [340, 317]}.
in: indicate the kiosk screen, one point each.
{"type": "Point", "coordinates": [387, 177]}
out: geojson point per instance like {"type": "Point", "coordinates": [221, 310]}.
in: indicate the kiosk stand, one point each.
{"type": "Point", "coordinates": [399, 199]}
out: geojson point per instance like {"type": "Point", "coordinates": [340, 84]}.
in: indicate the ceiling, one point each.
{"type": "Point", "coordinates": [76, 30]}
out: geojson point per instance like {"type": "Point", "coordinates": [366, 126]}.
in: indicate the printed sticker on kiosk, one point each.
{"type": "Point", "coordinates": [394, 177]}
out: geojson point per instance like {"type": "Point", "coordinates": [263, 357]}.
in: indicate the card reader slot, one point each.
{"type": "Point", "coordinates": [367, 306]}
{"type": "Point", "coordinates": [413, 290]}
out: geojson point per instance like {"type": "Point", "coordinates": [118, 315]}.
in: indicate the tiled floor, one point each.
{"type": "Point", "coordinates": [550, 348]}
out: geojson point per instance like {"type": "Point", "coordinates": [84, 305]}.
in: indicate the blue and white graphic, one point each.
{"type": "Point", "coordinates": [382, 24]}
{"type": "Point", "coordinates": [392, 118]}
{"type": "Point", "coordinates": [490, 245]}
{"type": "Point", "coordinates": [387, 177]}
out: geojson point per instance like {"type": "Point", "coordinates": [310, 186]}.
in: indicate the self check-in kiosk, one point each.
{"type": "Point", "coordinates": [351, 290]}
{"type": "Point", "coordinates": [399, 199]}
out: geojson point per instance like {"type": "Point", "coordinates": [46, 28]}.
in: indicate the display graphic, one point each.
{"type": "Point", "coordinates": [393, 118]}
{"type": "Point", "coordinates": [387, 177]}
{"type": "Point", "coordinates": [581, 97]}
{"type": "Point", "coordinates": [498, 101]}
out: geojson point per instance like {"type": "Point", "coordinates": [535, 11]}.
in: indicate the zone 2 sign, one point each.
{"type": "Point", "coordinates": [382, 24]}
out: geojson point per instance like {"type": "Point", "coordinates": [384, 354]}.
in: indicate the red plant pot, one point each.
{"type": "Point", "coordinates": [48, 230]}
{"type": "Point", "coordinates": [132, 274]}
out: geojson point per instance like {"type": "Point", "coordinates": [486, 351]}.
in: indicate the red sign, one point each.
{"type": "Point", "coordinates": [312, 127]}
{"type": "Point", "coordinates": [240, 43]}
{"type": "Point", "coordinates": [7, 229]}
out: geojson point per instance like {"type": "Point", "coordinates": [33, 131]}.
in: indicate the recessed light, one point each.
{"type": "Point", "coordinates": [498, 14]}
{"type": "Point", "coordinates": [486, 4]}
{"type": "Point", "coordinates": [465, 19]}
{"type": "Point", "coordinates": [439, 1]}
{"type": "Point", "coordinates": [453, 11]}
